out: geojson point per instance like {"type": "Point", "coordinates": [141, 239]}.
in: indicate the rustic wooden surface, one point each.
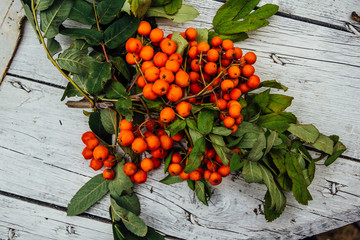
{"type": "Point", "coordinates": [311, 47]}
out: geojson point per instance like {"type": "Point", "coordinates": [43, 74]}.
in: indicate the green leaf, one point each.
{"type": "Point", "coordinates": [191, 123]}
{"type": "Point", "coordinates": [324, 143]}
{"type": "Point", "coordinates": [30, 17]}
{"type": "Point", "coordinates": [277, 121]}
{"type": "Point", "coordinates": [80, 45]}
{"type": "Point", "coordinates": [129, 202]}
{"type": "Point", "coordinates": [118, 235]}
{"type": "Point", "coordinates": [181, 43]}
{"type": "Point", "coordinates": [139, 7]}
{"type": "Point", "coordinates": [246, 127]}
{"type": "Point", "coordinates": [74, 61]}
{"type": "Point", "coordinates": [278, 102]}
{"type": "Point", "coordinates": [264, 11]}
{"type": "Point", "coordinates": [108, 120]}
{"type": "Point", "coordinates": [235, 162]}
{"type": "Point", "coordinates": [262, 99]}
{"type": "Point", "coordinates": [222, 131]}
{"type": "Point", "coordinates": [235, 27]}
{"type": "Point", "coordinates": [88, 195]}
{"type": "Point", "coordinates": [339, 148]}
{"type": "Point", "coordinates": [173, 6]}
{"type": "Point", "coordinates": [273, 84]}
{"type": "Point", "coordinates": [200, 192]}
{"type": "Point", "coordinates": [306, 132]}
{"type": "Point", "coordinates": [83, 12]}
{"type": "Point", "coordinates": [170, 179]}
{"type": "Point", "coordinates": [123, 106]}
{"type": "Point", "coordinates": [185, 13]}
{"type": "Point", "coordinates": [233, 37]}
{"type": "Point", "coordinates": [299, 187]}
{"type": "Point", "coordinates": [91, 36]}
{"type": "Point", "coordinates": [167, 161]}
{"type": "Point", "coordinates": [99, 75]}
{"type": "Point", "coordinates": [252, 172]}
{"type": "Point", "coordinates": [116, 90]}
{"type": "Point", "coordinates": [191, 184]}
{"type": "Point", "coordinates": [153, 235]}
{"type": "Point", "coordinates": [176, 127]}
{"type": "Point", "coordinates": [53, 46]}
{"type": "Point", "coordinates": [219, 145]}
{"type": "Point", "coordinates": [271, 213]}
{"type": "Point", "coordinates": [196, 155]}
{"type": "Point", "coordinates": [121, 183]}
{"type": "Point", "coordinates": [256, 152]}
{"type": "Point", "coordinates": [202, 35]}
{"type": "Point", "coordinates": [132, 222]}
{"type": "Point", "coordinates": [120, 31]}
{"type": "Point", "coordinates": [97, 127]}
{"type": "Point", "coordinates": [53, 17]}
{"type": "Point", "coordinates": [44, 4]}
{"type": "Point", "coordinates": [205, 121]}
{"type": "Point", "coordinates": [122, 67]}
{"type": "Point", "coordinates": [195, 135]}
{"type": "Point", "coordinates": [108, 9]}
{"type": "Point", "coordinates": [270, 141]}
{"type": "Point", "coordinates": [233, 9]}
{"type": "Point", "coordinates": [248, 7]}
{"type": "Point", "coordinates": [70, 91]}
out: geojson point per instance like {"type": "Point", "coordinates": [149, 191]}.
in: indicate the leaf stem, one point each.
{"type": "Point", "coordinates": [52, 59]}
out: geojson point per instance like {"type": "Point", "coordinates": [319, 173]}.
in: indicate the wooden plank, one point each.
{"type": "Point", "coordinates": [24, 220]}
{"type": "Point", "coordinates": [11, 14]}
{"type": "Point", "coordinates": [54, 171]}
{"type": "Point", "coordinates": [315, 75]}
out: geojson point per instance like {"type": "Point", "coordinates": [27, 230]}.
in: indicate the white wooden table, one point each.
{"type": "Point", "coordinates": [313, 47]}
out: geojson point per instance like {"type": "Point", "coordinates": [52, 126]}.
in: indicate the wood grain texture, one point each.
{"type": "Point", "coordinates": [54, 170]}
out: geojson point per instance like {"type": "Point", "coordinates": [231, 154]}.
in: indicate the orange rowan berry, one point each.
{"type": "Point", "coordinates": [253, 82]}
{"type": "Point", "coordinates": [182, 79]}
{"type": "Point", "coordinates": [172, 65]}
{"type": "Point", "coordinates": [234, 72]}
{"type": "Point", "coordinates": [212, 55]}
{"type": "Point", "coordinates": [141, 81]}
{"type": "Point", "coordinates": [191, 34]}
{"type": "Point", "coordinates": [174, 93]}
{"type": "Point", "coordinates": [169, 47]}
{"type": "Point", "coordinates": [129, 168]}
{"type": "Point", "coordinates": [184, 176]}
{"type": "Point", "coordinates": [229, 122]}
{"type": "Point", "coordinates": [156, 35]}
{"type": "Point", "coordinates": [108, 174]}
{"type": "Point", "coordinates": [221, 104]}
{"type": "Point", "coordinates": [86, 136]}
{"type": "Point", "coordinates": [147, 164]}
{"type": "Point", "coordinates": [161, 132]}
{"type": "Point", "coordinates": [234, 111]}
{"type": "Point", "coordinates": [87, 153]}
{"type": "Point", "coordinates": [235, 81]}
{"type": "Point", "coordinates": [244, 88]}
{"type": "Point", "coordinates": [195, 175]}
{"type": "Point", "coordinates": [176, 158]}
{"type": "Point", "coordinates": [203, 47]}
{"type": "Point", "coordinates": [96, 164]}
{"type": "Point", "coordinates": [225, 62]}
{"type": "Point", "coordinates": [227, 85]}
{"type": "Point", "coordinates": [218, 159]}
{"type": "Point", "coordinates": [216, 41]}
{"type": "Point", "coordinates": [229, 54]}
{"type": "Point", "coordinates": [148, 92]}
{"type": "Point", "coordinates": [210, 68]}
{"type": "Point", "coordinates": [195, 88]}
{"type": "Point", "coordinates": [216, 81]}
{"type": "Point", "coordinates": [100, 152]}
{"type": "Point", "coordinates": [194, 77]}
{"type": "Point", "coordinates": [125, 125]}
{"type": "Point", "coordinates": [152, 74]}
{"type": "Point", "coordinates": [126, 137]}
{"type": "Point", "coordinates": [237, 52]}
{"type": "Point", "coordinates": [193, 43]}
{"type": "Point", "coordinates": [139, 145]}
{"type": "Point", "coordinates": [133, 45]}
{"type": "Point", "coordinates": [156, 162]}
{"type": "Point", "coordinates": [195, 65]}
{"type": "Point", "coordinates": [177, 137]}
{"type": "Point", "coordinates": [145, 65]}
{"type": "Point", "coordinates": [166, 142]}
{"type": "Point", "coordinates": [215, 179]}
{"type": "Point", "coordinates": [167, 76]}
{"type": "Point", "coordinates": [250, 58]}
{"type": "Point", "coordinates": [183, 109]}
{"type": "Point", "coordinates": [153, 142]}
{"type": "Point", "coordinates": [132, 58]}
{"type": "Point", "coordinates": [212, 166]}
{"type": "Point", "coordinates": [160, 59]}
{"type": "Point", "coordinates": [226, 97]}
{"type": "Point", "coordinates": [235, 94]}
{"type": "Point", "coordinates": [160, 87]}
{"type": "Point", "coordinates": [158, 153]}
{"type": "Point", "coordinates": [140, 176]}
{"type": "Point", "coordinates": [207, 174]}
{"type": "Point", "coordinates": [191, 100]}
{"type": "Point", "coordinates": [144, 28]}
{"type": "Point", "coordinates": [167, 115]}
{"type": "Point", "coordinates": [234, 128]}
{"type": "Point", "coordinates": [146, 53]}
{"type": "Point", "coordinates": [248, 70]}
{"type": "Point", "coordinates": [92, 143]}
{"type": "Point", "coordinates": [175, 169]}
{"type": "Point", "coordinates": [239, 120]}
{"type": "Point", "coordinates": [177, 57]}
{"type": "Point", "coordinates": [110, 161]}
{"type": "Point", "coordinates": [227, 44]}
{"type": "Point", "coordinates": [193, 52]}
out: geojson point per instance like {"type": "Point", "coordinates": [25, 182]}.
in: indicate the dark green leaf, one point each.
{"type": "Point", "coordinates": [117, 232]}
{"type": "Point", "coordinates": [123, 106]}
{"type": "Point", "coordinates": [120, 31]}
{"type": "Point", "coordinates": [324, 143]}
{"type": "Point", "coordinates": [222, 131]}
{"type": "Point", "coordinates": [205, 121]}
{"type": "Point", "coordinates": [170, 179]}
{"type": "Point", "coordinates": [167, 161]}
{"type": "Point", "coordinates": [108, 9]}
{"type": "Point", "coordinates": [256, 152]}
{"type": "Point", "coordinates": [30, 17]}
{"type": "Point", "coordinates": [181, 43]}
{"type": "Point", "coordinates": [200, 191]}
{"type": "Point", "coordinates": [97, 127]}
{"type": "Point", "coordinates": [74, 61]}
{"type": "Point", "coordinates": [196, 155]}
{"type": "Point", "coordinates": [248, 7]}
{"type": "Point", "coordinates": [235, 162]}
{"type": "Point", "coordinates": [80, 45]}
{"type": "Point", "coordinates": [299, 187]}
{"type": "Point", "coordinates": [129, 202]}
{"type": "Point", "coordinates": [139, 7]}
{"type": "Point", "coordinates": [271, 213]}
{"type": "Point", "coordinates": [246, 127]}
{"type": "Point", "coordinates": [264, 11]}
{"type": "Point", "coordinates": [88, 195]}
{"type": "Point", "coordinates": [191, 184]}
{"type": "Point", "coordinates": [44, 4]}
{"type": "Point", "coordinates": [270, 141]}
{"type": "Point", "coordinates": [202, 35]}
{"type": "Point", "coordinates": [277, 121]}
{"type": "Point", "coordinates": [121, 183]}
{"type": "Point", "coordinates": [91, 36]}
{"type": "Point", "coordinates": [53, 46]}
{"type": "Point", "coordinates": [273, 84]}
{"type": "Point", "coordinates": [153, 104]}
{"type": "Point", "coordinates": [219, 145]}
{"type": "Point", "coordinates": [99, 75]}
{"type": "Point", "coordinates": [116, 90]}
{"type": "Point", "coordinates": [153, 235]}
{"type": "Point", "coordinates": [185, 13]}
{"type": "Point", "coordinates": [306, 132]}
{"type": "Point", "coordinates": [248, 140]}
{"type": "Point", "coordinates": [339, 148]}
{"type": "Point", "coordinates": [83, 12]}
{"type": "Point", "coordinates": [132, 222]}
{"type": "Point", "coordinates": [229, 10]}
{"type": "Point", "coordinates": [108, 120]}
{"type": "Point", "coordinates": [279, 103]}
{"type": "Point", "coordinates": [70, 91]}
{"type": "Point", "coordinates": [122, 67]}
{"type": "Point", "coordinates": [235, 27]}
{"type": "Point", "coordinates": [262, 99]}
{"type": "Point", "coordinates": [195, 135]}
{"type": "Point", "coordinates": [172, 7]}
{"type": "Point", "coordinates": [53, 17]}
{"type": "Point", "coordinates": [176, 127]}
{"type": "Point", "coordinates": [252, 172]}
{"type": "Point", "coordinates": [233, 37]}
{"type": "Point", "coordinates": [191, 123]}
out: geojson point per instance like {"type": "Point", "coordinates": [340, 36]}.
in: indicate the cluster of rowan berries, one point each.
{"type": "Point", "coordinates": [98, 154]}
